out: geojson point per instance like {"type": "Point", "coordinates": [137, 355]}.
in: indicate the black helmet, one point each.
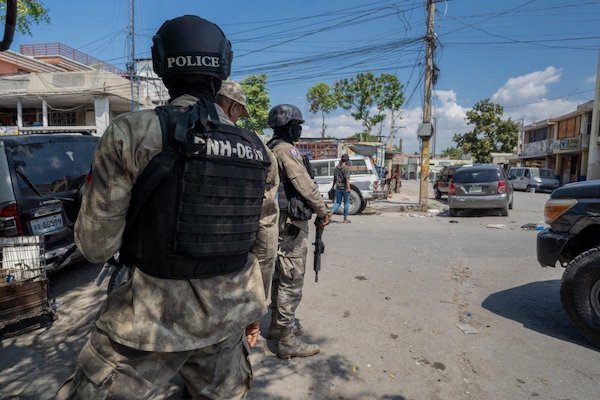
{"type": "Point", "coordinates": [283, 114]}
{"type": "Point", "coordinates": [345, 157]}
{"type": "Point", "coordinates": [191, 45]}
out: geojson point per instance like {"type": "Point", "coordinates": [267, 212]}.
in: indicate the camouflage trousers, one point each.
{"type": "Point", "coordinates": [108, 370]}
{"type": "Point", "coordinates": [288, 279]}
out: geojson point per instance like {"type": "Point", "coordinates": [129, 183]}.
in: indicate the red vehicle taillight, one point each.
{"type": "Point", "coordinates": [501, 187]}
{"type": "Point", "coordinates": [451, 189]}
{"type": "Point", "coordinates": [10, 221]}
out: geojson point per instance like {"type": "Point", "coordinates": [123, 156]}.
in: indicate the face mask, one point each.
{"type": "Point", "coordinates": [295, 132]}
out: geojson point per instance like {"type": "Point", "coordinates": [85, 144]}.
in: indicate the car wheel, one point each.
{"type": "Point", "coordinates": [363, 205]}
{"type": "Point", "coordinates": [119, 276]}
{"type": "Point", "coordinates": [438, 194]}
{"type": "Point", "coordinates": [510, 205]}
{"type": "Point", "coordinates": [452, 212]}
{"type": "Point", "coordinates": [504, 211]}
{"type": "Point", "coordinates": [580, 293]}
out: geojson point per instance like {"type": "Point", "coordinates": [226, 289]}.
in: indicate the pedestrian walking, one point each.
{"type": "Point", "coordinates": [298, 197]}
{"type": "Point", "coordinates": [193, 218]}
{"type": "Point", "coordinates": [341, 184]}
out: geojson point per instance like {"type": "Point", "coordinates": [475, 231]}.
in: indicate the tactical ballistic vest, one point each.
{"type": "Point", "coordinates": [288, 198]}
{"type": "Point", "coordinates": [195, 208]}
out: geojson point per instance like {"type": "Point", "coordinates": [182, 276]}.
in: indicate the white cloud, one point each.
{"type": "Point", "coordinates": [591, 79]}
{"type": "Point", "coordinates": [524, 88]}
{"type": "Point", "coordinates": [541, 110]}
{"type": "Point", "coordinates": [336, 125]}
{"type": "Point", "coordinates": [522, 98]}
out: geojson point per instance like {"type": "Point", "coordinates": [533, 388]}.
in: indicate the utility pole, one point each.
{"type": "Point", "coordinates": [593, 167]}
{"type": "Point", "coordinates": [131, 63]}
{"type": "Point", "coordinates": [424, 177]}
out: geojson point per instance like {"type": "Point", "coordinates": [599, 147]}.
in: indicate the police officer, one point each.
{"type": "Point", "coordinates": [298, 198]}
{"type": "Point", "coordinates": [232, 99]}
{"type": "Point", "coordinates": [189, 201]}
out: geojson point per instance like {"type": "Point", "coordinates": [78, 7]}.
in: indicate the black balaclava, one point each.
{"type": "Point", "coordinates": [290, 132]}
{"type": "Point", "coordinates": [195, 85]}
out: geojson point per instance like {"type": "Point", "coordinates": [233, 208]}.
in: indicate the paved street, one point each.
{"type": "Point", "coordinates": [409, 305]}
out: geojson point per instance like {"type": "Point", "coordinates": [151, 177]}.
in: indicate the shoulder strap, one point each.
{"type": "Point", "coordinates": [156, 170]}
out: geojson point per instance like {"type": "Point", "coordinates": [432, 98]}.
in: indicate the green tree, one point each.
{"type": "Point", "coordinates": [454, 153]}
{"type": "Point", "coordinates": [365, 137]}
{"type": "Point", "coordinates": [321, 98]}
{"type": "Point", "coordinates": [392, 98]}
{"type": "Point", "coordinates": [359, 95]}
{"type": "Point", "coordinates": [490, 132]}
{"type": "Point", "coordinates": [28, 12]}
{"type": "Point", "coordinates": [257, 99]}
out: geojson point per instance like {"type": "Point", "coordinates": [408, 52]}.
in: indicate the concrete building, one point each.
{"type": "Point", "coordinates": [560, 143]}
{"type": "Point", "coordinates": [52, 87]}
{"type": "Point", "coordinates": [571, 143]}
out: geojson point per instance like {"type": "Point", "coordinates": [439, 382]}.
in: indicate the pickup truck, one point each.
{"type": "Point", "coordinates": [573, 241]}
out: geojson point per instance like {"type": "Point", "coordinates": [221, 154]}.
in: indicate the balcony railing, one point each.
{"type": "Point", "coordinates": [59, 49]}
{"type": "Point", "coordinates": [539, 148]}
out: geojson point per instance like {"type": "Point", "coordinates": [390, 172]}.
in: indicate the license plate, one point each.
{"type": "Point", "coordinates": [475, 189]}
{"type": "Point", "coordinates": [46, 224]}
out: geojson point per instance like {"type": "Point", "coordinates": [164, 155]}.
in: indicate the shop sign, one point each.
{"type": "Point", "coordinates": [564, 145]}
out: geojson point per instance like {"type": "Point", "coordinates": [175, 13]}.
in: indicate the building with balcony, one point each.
{"type": "Point", "coordinates": [570, 147]}
{"type": "Point", "coordinates": [52, 87]}
{"type": "Point", "coordinates": [536, 150]}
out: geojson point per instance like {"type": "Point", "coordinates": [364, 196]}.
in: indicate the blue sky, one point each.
{"type": "Point", "coordinates": [537, 58]}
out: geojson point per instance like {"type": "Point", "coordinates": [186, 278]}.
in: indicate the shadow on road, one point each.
{"type": "Point", "coordinates": [536, 306]}
{"type": "Point", "coordinates": [34, 364]}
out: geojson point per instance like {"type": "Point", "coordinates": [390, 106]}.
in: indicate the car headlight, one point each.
{"type": "Point", "coordinates": [554, 208]}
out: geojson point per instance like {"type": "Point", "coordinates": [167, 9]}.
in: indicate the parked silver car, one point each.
{"type": "Point", "coordinates": [483, 186]}
{"type": "Point", "coordinates": [365, 184]}
{"type": "Point", "coordinates": [533, 179]}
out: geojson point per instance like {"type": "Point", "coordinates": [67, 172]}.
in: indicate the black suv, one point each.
{"type": "Point", "coordinates": [39, 179]}
{"type": "Point", "coordinates": [573, 240]}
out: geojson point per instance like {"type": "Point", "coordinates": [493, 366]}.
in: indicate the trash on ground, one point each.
{"type": "Point", "coordinates": [467, 329]}
{"type": "Point", "coordinates": [453, 221]}
{"type": "Point", "coordinates": [528, 227]}
{"type": "Point", "coordinates": [496, 226]}
{"type": "Point", "coordinates": [415, 215]}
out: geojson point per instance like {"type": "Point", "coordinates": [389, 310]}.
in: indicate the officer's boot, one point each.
{"type": "Point", "coordinates": [275, 330]}
{"type": "Point", "coordinates": [290, 346]}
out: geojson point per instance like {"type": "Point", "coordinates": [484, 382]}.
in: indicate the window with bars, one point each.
{"type": "Point", "coordinates": [62, 118]}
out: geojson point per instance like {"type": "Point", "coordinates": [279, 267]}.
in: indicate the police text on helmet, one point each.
{"type": "Point", "coordinates": [193, 61]}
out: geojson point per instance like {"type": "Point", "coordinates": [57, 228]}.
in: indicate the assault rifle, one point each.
{"type": "Point", "coordinates": [319, 247]}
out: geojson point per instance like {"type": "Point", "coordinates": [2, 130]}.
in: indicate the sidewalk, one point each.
{"type": "Point", "coordinates": [407, 200]}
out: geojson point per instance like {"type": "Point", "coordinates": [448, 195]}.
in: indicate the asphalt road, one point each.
{"type": "Point", "coordinates": [408, 306]}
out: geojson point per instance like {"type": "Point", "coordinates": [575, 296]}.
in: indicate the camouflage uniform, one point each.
{"type": "Point", "coordinates": [288, 280]}
{"type": "Point", "coordinates": [150, 329]}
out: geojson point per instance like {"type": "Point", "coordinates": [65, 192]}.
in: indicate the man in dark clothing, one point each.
{"type": "Point", "coordinates": [341, 184]}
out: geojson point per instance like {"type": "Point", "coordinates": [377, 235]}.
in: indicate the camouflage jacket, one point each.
{"type": "Point", "coordinates": [154, 314]}
{"type": "Point", "coordinates": [292, 168]}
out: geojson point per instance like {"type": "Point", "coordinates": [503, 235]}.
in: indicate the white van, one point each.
{"type": "Point", "coordinates": [533, 179]}
{"type": "Point", "coordinates": [365, 184]}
